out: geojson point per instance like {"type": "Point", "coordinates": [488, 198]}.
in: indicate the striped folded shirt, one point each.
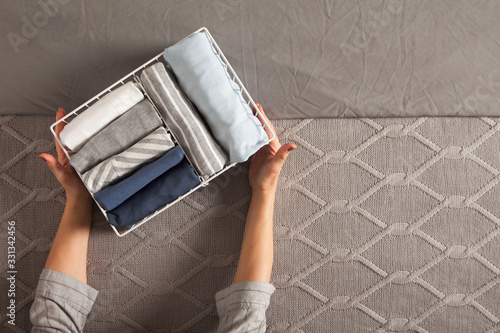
{"type": "Point", "coordinates": [118, 166]}
{"type": "Point", "coordinates": [183, 119]}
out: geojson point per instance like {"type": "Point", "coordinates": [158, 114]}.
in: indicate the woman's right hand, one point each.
{"type": "Point", "coordinates": [265, 165]}
{"type": "Point", "coordinates": [61, 168]}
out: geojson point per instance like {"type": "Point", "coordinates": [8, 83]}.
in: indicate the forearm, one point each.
{"type": "Point", "coordinates": [256, 258]}
{"type": "Point", "coordinates": [68, 253]}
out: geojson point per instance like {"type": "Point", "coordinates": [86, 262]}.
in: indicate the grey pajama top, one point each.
{"type": "Point", "coordinates": [62, 304]}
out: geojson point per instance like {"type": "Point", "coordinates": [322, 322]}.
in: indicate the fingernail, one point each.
{"type": "Point", "coordinates": [291, 148]}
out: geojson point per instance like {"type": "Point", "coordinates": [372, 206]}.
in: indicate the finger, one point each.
{"type": "Point", "coordinates": [54, 165]}
{"type": "Point", "coordinates": [59, 115]}
{"type": "Point", "coordinates": [281, 155]}
{"type": "Point", "coordinates": [275, 143]}
{"type": "Point", "coordinates": [261, 119]}
{"type": "Point", "coordinates": [61, 157]}
{"type": "Point", "coordinates": [270, 125]}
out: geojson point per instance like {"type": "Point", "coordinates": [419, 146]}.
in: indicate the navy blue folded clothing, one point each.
{"type": "Point", "coordinates": [112, 196]}
{"type": "Point", "coordinates": [163, 190]}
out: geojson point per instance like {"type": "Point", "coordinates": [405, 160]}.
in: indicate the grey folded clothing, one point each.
{"type": "Point", "coordinates": [184, 121]}
{"type": "Point", "coordinates": [118, 166]}
{"type": "Point", "coordinates": [119, 135]}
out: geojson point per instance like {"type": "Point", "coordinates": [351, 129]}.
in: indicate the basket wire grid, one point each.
{"type": "Point", "coordinates": [133, 76]}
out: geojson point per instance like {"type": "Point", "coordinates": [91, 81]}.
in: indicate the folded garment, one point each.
{"type": "Point", "coordinates": [183, 120]}
{"type": "Point", "coordinates": [118, 166]}
{"type": "Point", "coordinates": [97, 116]}
{"type": "Point", "coordinates": [112, 196]}
{"type": "Point", "coordinates": [163, 190]}
{"type": "Point", "coordinates": [203, 77]}
{"type": "Point", "coordinates": [133, 125]}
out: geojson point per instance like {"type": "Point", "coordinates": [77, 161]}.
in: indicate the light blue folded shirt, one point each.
{"type": "Point", "coordinates": [203, 77]}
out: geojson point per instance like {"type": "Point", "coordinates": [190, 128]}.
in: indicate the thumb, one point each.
{"type": "Point", "coordinates": [282, 153]}
{"type": "Point", "coordinates": [54, 165]}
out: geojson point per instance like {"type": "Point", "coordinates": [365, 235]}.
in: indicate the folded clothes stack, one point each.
{"type": "Point", "coordinates": [184, 121]}
{"type": "Point", "coordinates": [127, 158]}
{"type": "Point", "coordinates": [119, 135]}
{"type": "Point", "coordinates": [175, 181]}
{"type": "Point", "coordinates": [203, 77]}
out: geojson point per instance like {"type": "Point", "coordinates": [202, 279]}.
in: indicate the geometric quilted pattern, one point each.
{"type": "Point", "coordinates": [381, 225]}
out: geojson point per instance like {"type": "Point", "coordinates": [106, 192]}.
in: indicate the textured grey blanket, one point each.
{"type": "Point", "coordinates": [381, 225]}
{"type": "Point", "coordinates": [301, 59]}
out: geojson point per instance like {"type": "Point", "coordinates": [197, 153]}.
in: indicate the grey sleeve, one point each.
{"type": "Point", "coordinates": [61, 303]}
{"type": "Point", "coordinates": [242, 306]}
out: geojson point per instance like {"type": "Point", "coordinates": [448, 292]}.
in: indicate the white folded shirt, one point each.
{"type": "Point", "coordinates": [84, 126]}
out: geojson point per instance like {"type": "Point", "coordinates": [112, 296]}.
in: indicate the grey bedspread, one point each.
{"type": "Point", "coordinates": [315, 58]}
{"type": "Point", "coordinates": [381, 225]}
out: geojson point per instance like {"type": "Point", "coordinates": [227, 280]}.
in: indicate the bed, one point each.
{"type": "Point", "coordinates": [387, 215]}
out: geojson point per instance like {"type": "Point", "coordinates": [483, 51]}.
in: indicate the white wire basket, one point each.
{"type": "Point", "coordinates": [135, 77]}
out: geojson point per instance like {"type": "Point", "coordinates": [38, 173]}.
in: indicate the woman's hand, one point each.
{"type": "Point", "coordinates": [61, 168]}
{"type": "Point", "coordinates": [265, 165]}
